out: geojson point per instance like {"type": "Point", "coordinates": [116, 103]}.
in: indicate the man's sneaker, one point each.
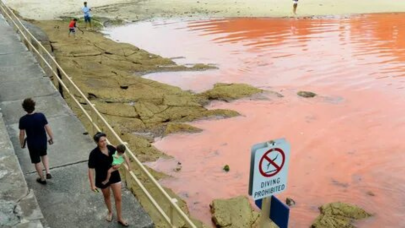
{"type": "Point", "coordinates": [48, 176]}
{"type": "Point", "coordinates": [41, 181]}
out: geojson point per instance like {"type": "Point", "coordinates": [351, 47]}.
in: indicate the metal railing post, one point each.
{"type": "Point", "coordinates": [41, 61]}
{"type": "Point", "coordinates": [95, 119]}
{"type": "Point", "coordinates": [171, 208]}
{"type": "Point", "coordinates": [55, 81]}
{"type": "Point", "coordinates": [30, 42]}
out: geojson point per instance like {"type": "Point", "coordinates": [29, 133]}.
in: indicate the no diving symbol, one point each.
{"type": "Point", "coordinates": [272, 162]}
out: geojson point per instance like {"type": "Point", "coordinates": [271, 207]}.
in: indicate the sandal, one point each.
{"type": "Point", "coordinates": [109, 217]}
{"type": "Point", "coordinates": [43, 182]}
{"type": "Point", "coordinates": [48, 176]}
{"type": "Point", "coordinates": [123, 223]}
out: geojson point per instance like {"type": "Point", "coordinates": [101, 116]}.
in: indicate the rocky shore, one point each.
{"type": "Point", "coordinates": [138, 109]}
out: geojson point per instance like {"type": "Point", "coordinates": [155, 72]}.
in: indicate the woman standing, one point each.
{"type": "Point", "coordinates": [100, 161]}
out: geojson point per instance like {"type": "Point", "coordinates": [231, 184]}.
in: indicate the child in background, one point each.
{"type": "Point", "coordinates": [72, 27]}
{"type": "Point", "coordinates": [118, 158]}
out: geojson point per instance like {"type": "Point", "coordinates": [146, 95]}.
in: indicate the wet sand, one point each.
{"type": "Point", "coordinates": [146, 9]}
{"type": "Point", "coordinates": [346, 143]}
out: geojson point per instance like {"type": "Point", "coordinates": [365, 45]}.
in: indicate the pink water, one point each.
{"type": "Point", "coordinates": [346, 143]}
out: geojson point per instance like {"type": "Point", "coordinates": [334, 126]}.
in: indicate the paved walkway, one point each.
{"type": "Point", "coordinates": [18, 205]}
{"type": "Point", "coordinates": [66, 201]}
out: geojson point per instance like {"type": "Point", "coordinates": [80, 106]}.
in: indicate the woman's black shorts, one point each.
{"type": "Point", "coordinates": [115, 178]}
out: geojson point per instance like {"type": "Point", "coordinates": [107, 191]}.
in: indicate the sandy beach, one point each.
{"type": "Point", "coordinates": [141, 9]}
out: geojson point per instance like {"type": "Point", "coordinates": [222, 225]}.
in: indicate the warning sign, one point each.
{"type": "Point", "coordinates": [269, 168]}
{"type": "Point", "coordinates": [272, 162]}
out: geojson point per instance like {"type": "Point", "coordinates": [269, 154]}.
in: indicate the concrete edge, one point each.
{"type": "Point", "coordinates": [18, 203]}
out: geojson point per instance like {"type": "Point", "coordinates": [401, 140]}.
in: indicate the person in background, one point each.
{"type": "Point", "coordinates": [87, 17]}
{"type": "Point", "coordinates": [35, 126]}
{"type": "Point", "coordinates": [295, 5]}
{"type": "Point", "coordinates": [72, 27]}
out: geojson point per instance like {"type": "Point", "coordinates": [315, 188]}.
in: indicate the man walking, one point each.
{"type": "Point", "coordinates": [35, 125]}
{"type": "Point", "coordinates": [87, 18]}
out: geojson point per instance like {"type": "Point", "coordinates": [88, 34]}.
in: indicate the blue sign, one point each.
{"type": "Point", "coordinates": [279, 212]}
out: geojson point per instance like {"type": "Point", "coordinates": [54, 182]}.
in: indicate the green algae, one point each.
{"type": "Point", "coordinates": [339, 215]}
{"type": "Point", "coordinates": [229, 92]}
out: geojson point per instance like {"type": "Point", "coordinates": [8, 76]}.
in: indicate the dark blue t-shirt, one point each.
{"type": "Point", "coordinates": [34, 126]}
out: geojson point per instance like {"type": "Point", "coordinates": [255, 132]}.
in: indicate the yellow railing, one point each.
{"type": "Point", "coordinates": [47, 61]}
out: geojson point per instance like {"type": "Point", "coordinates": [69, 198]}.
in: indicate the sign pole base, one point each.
{"type": "Point", "coordinates": [265, 222]}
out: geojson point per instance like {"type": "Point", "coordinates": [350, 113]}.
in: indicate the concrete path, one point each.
{"type": "Point", "coordinates": [66, 201]}
{"type": "Point", "coordinates": [18, 204]}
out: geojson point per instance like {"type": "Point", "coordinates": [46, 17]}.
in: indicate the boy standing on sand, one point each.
{"type": "Point", "coordinates": [295, 5]}
{"type": "Point", "coordinates": [87, 18]}
{"type": "Point", "coordinates": [72, 27]}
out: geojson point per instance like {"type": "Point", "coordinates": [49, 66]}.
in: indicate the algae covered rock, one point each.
{"type": "Point", "coordinates": [220, 113]}
{"type": "Point", "coordinates": [233, 213]}
{"type": "Point", "coordinates": [339, 215]}
{"type": "Point", "coordinates": [290, 202]}
{"type": "Point", "coordinates": [180, 127]}
{"type": "Point", "coordinates": [200, 66]}
{"type": "Point", "coordinates": [125, 124]}
{"type": "Point", "coordinates": [229, 92]}
{"type": "Point", "coordinates": [306, 94]}
{"type": "Point", "coordinates": [142, 148]}
{"type": "Point", "coordinates": [117, 109]}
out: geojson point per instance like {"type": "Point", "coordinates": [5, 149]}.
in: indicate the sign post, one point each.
{"type": "Point", "coordinates": [268, 175]}
{"type": "Point", "coordinates": [264, 215]}
{"type": "Point", "coordinates": [279, 212]}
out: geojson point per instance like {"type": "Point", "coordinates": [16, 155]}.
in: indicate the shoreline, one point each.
{"type": "Point", "coordinates": [139, 10]}
{"type": "Point", "coordinates": [204, 18]}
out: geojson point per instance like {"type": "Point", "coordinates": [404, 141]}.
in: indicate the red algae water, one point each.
{"type": "Point", "coordinates": [346, 143]}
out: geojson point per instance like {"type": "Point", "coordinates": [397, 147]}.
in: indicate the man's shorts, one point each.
{"type": "Point", "coordinates": [36, 155]}
{"type": "Point", "coordinates": [87, 19]}
{"type": "Point", "coordinates": [72, 30]}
